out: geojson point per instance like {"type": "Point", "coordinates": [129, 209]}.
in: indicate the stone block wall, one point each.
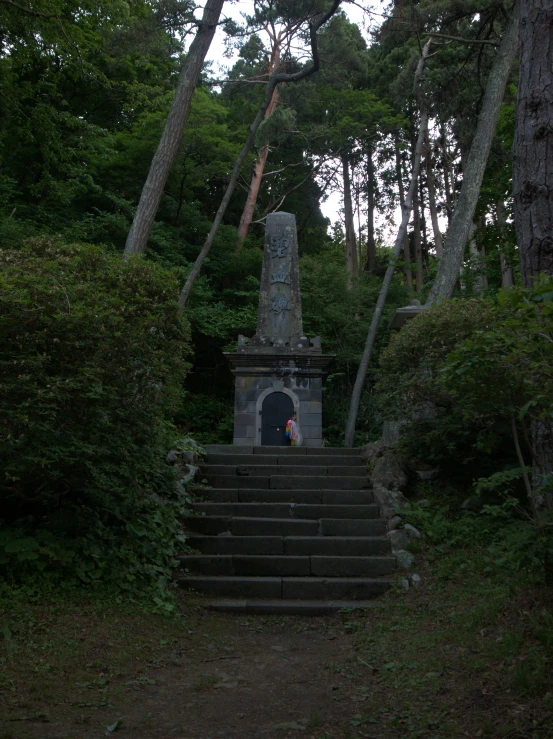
{"type": "Point", "coordinates": [250, 391]}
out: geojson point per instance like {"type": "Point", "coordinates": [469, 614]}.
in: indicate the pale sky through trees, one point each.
{"type": "Point", "coordinates": [333, 204]}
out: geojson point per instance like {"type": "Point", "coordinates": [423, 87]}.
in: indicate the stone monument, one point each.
{"type": "Point", "coordinates": [279, 371]}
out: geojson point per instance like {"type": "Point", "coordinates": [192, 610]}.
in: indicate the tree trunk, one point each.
{"type": "Point", "coordinates": [351, 245]}
{"type": "Point", "coordinates": [506, 272]}
{"type": "Point", "coordinates": [533, 144]}
{"type": "Point", "coordinates": [172, 133]}
{"type": "Point", "coordinates": [507, 278]}
{"type": "Point", "coordinates": [406, 248]}
{"type": "Point", "coordinates": [533, 181]}
{"type": "Point", "coordinates": [448, 177]}
{"type": "Point", "coordinates": [458, 231]}
{"type": "Point", "coordinates": [371, 245]}
{"type": "Point", "coordinates": [417, 240]}
{"type": "Point", "coordinates": [259, 167]}
{"type": "Point", "coordinates": [431, 182]}
{"type": "Point", "coordinates": [274, 80]}
{"type": "Point", "coordinates": [406, 214]}
{"type": "Point", "coordinates": [424, 237]}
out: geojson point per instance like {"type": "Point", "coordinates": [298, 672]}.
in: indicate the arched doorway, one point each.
{"type": "Point", "coordinates": [277, 408]}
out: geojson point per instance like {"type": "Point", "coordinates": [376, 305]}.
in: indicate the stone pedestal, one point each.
{"type": "Point", "coordinates": [279, 358]}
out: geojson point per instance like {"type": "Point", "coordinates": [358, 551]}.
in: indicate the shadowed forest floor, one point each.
{"type": "Point", "coordinates": [455, 658]}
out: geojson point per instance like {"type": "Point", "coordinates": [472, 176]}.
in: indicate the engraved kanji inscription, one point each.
{"type": "Point", "coordinates": [280, 246]}
{"type": "Point", "coordinates": [280, 304]}
{"type": "Point", "coordinates": [280, 276]}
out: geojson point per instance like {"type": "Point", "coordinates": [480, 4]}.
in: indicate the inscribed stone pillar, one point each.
{"type": "Point", "coordinates": [278, 358]}
{"type": "Point", "coordinates": [279, 316]}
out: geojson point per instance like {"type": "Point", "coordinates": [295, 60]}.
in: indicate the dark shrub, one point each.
{"type": "Point", "coordinates": [92, 356]}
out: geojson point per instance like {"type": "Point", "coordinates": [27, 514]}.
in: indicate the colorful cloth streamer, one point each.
{"type": "Point", "coordinates": [293, 433]}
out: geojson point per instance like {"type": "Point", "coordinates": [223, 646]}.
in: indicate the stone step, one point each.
{"type": "Point", "coordinates": [249, 526]}
{"type": "Point", "coordinates": [289, 588]}
{"type": "Point", "coordinates": [283, 566]}
{"type": "Point", "coordinates": [353, 460]}
{"type": "Point", "coordinates": [268, 470]}
{"type": "Point", "coordinates": [260, 526]}
{"type": "Point", "coordinates": [292, 450]}
{"type": "Point", "coordinates": [352, 527]}
{"type": "Point", "coordinates": [289, 482]}
{"type": "Point", "coordinates": [287, 607]}
{"type": "Point", "coordinates": [253, 495]}
{"type": "Point", "coordinates": [341, 546]}
{"type": "Point", "coordinates": [284, 510]}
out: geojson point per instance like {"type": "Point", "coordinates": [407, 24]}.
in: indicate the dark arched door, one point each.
{"type": "Point", "coordinates": [276, 410]}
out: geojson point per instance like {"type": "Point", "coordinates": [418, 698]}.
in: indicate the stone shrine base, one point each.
{"type": "Point", "coordinates": [257, 375]}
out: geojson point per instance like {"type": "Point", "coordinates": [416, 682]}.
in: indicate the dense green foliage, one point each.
{"type": "Point", "coordinates": [463, 371]}
{"type": "Point", "coordinates": [92, 356]}
{"type": "Point", "coordinates": [95, 379]}
{"type": "Point", "coordinates": [471, 380]}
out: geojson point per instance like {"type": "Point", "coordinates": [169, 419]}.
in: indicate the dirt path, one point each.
{"type": "Point", "coordinates": [267, 685]}
{"type": "Point", "coordinates": [430, 664]}
{"type": "Point", "coordinates": [218, 676]}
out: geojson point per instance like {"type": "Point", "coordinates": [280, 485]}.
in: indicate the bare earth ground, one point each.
{"type": "Point", "coordinates": [427, 663]}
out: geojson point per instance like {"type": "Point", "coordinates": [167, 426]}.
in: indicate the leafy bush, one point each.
{"type": "Point", "coordinates": [410, 386]}
{"type": "Point", "coordinates": [505, 373]}
{"type": "Point", "coordinates": [472, 379]}
{"type": "Point", "coordinates": [92, 356]}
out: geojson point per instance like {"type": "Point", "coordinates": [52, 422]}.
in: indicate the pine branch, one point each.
{"type": "Point", "coordinates": [28, 11]}
{"type": "Point", "coordinates": [486, 41]}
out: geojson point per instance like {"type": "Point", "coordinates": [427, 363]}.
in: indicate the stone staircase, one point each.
{"type": "Point", "coordinates": [289, 530]}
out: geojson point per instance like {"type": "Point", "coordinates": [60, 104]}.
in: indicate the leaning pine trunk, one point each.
{"type": "Point", "coordinates": [417, 242]}
{"type": "Point", "coordinates": [406, 247]}
{"type": "Point", "coordinates": [438, 245]}
{"type": "Point", "coordinates": [459, 230]}
{"type": "Point", "coordinates": [259, 167]}
{"type": "Point", "coordinates": [351, 243]}
{"type": "Point", "coordinates": [448, 176]}
{"type": "Point", "coordinates": [371, 245]}
{"type": "Point", "coordinates": [169, 143]}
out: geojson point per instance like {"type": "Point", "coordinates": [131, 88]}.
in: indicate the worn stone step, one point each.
{"type": "Point", "coordinates": [287, 566]}
{"type": "Point", "coordinates": [289, 450]}
{"type": "Point", "coordinates": [320, 451]}
{"type": "Point", "coordinates": [290, 588]}
{"type": "Point", "coordinates": [288, 482]}
{"type": "Point", "coordinates": [261, 470]}
{"type": "Point", "coordinates": [282, 526]}
{"type": "Point", "coordinates": [285, 459]}
{"type": "Point", "coordinates": [267, 470]}
{"type": "Point", "coordinates": [293, 482]}
{"type": "Point", "coordinates": [330, 566]}
{"type": "Point", "coordinates": [327, 497]}
{"type": "Point", "coordinates": [237, 544]}
{"type": "Point", "coordinates": [249, 526]}
{"type": "Point", "coordinates": [340, 546]}
{"type": "Point", "coordinates": [293, 510]}
{"type": "Point", "coordinates": [246, 564]}
{"type": "Point", "coordinates": [286, 607]}
{"type": "Point", "coordinates": [236, 449]}
{"type": "Point", "coordinates": [352, 527]}
{"type": "Point", "coordinates": [335, 588]}
{"type": "Point", "coordinates": [232, 586]}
